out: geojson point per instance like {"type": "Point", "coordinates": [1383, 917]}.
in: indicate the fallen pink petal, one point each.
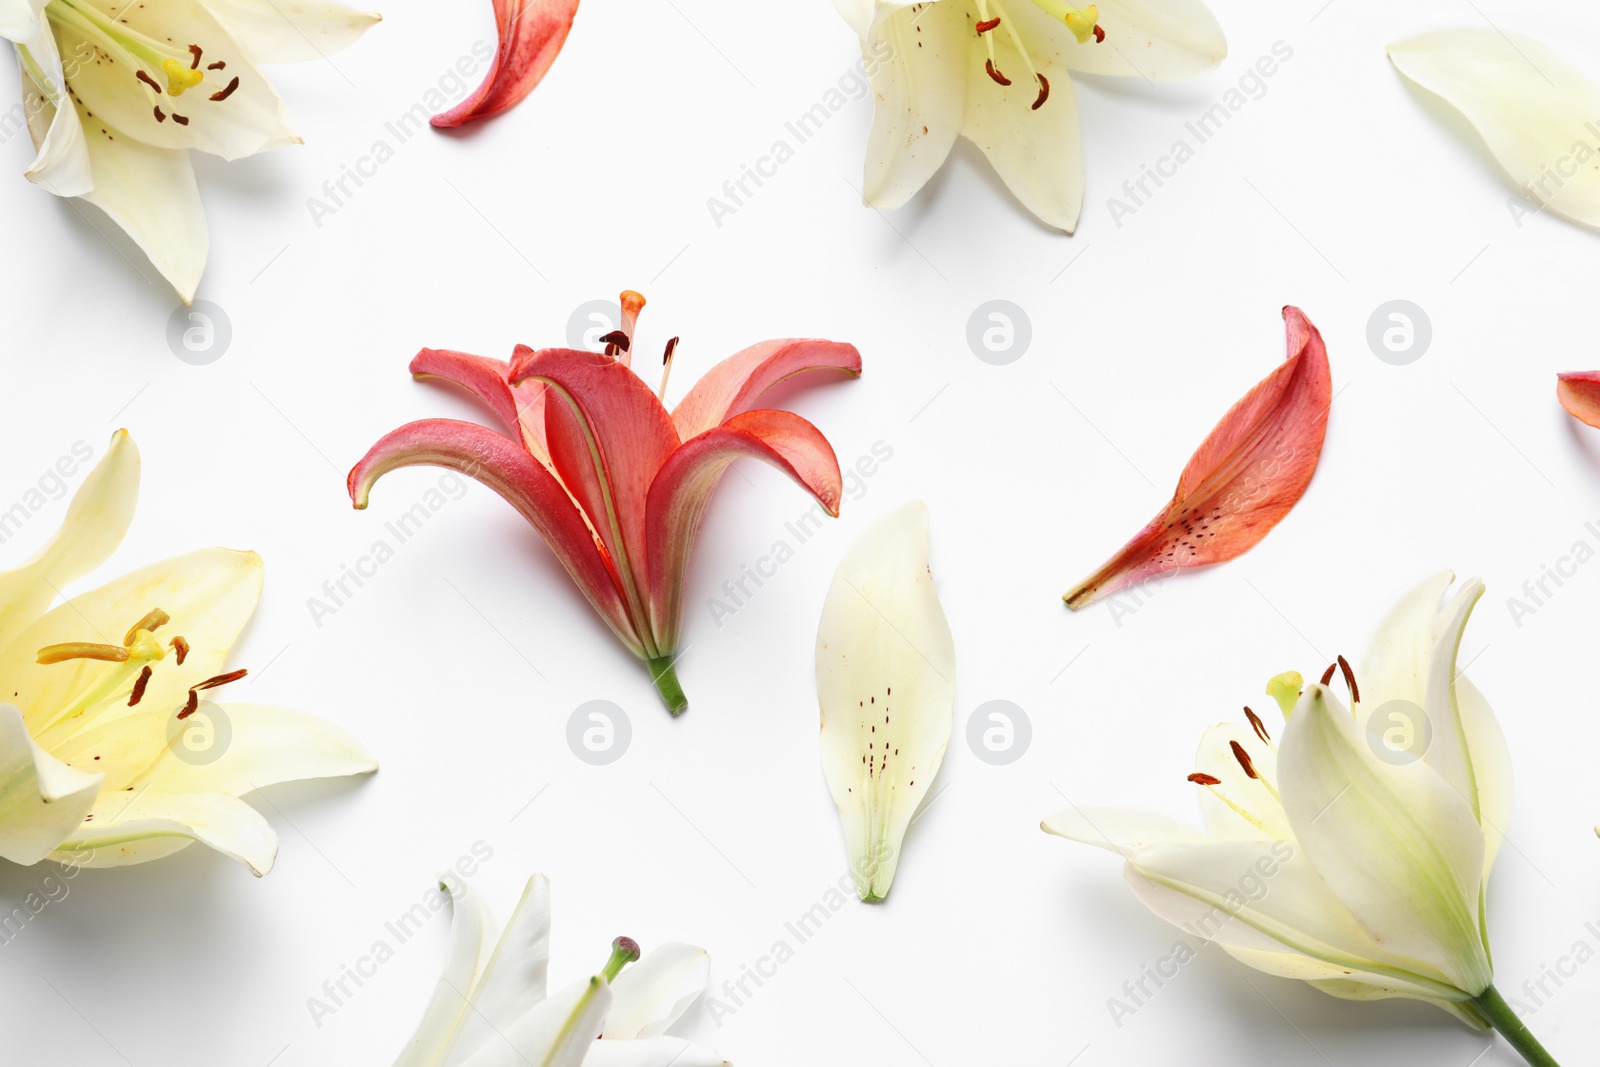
{"type": "Point", "coordinates": [615, 483]}
{"type": "Point", "coordinates": [531, 35]}
{"type": "Point", "coordinates": [1579, 393]}
{"type": "Point", "coordinates": [1242, 480]}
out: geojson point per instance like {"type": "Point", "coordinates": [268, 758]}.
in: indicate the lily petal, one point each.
{"type": "Point", "coordinates": [1491, 766]}
{"type": "Point", "coordinates": [886, 686]}
{"type": "Point", "coordinates": [471, 943]}
{"type": "Point", "coordinates": [152, 825]}
{"type": "Point", "coordinates": [683, 487]}
{"type": "Point", "coordinates": [735, 385]}
{"type": "Point", "coordinates": [1242, 806]}
{"type": "Point", "coordinates": [1120, 831]}
{"type": "Point", "coordinates": [292, 31]}
{"type": "Point", "coordinates": [558, 1032]}
{"type": "Point", "coordinates": [531, 35]}
{"type": "Point", "coordinates": [62, 163]}
{"type": "Point", "coordinates": [1395, 666]}
{"type": "Point", "coordinates": [653, 1052]}
{"type": "Point", "coordinates": [1579, 393]}
{"type": "Point", "coordinates": [96, 521]}
{"type": "Point", "coordinates": [520, 408]}
{"type": "Point", "coordinates": [514, 977]}
{"type": "Point", "coordinates": [1396, 843]}
{"type": "Point", "coordinates": [1532, 108]}
{"type": "Point", "coordinates": [651, 995]}
{"type": "Point", "coordinates": [1347, 990]}
{"type": "Point", "coordinates": [1242, 480]}
{"type": "Point", "coordinates": [42, 800]}
{"type": "Point", "coordinates": [499, 463]}
{"type": "Point", "coordinates": [1158, 40]}
{"type": "Point", "coordinates": [921, 51]}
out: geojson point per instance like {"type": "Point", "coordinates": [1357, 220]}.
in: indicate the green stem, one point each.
{"type": "Point", "coordinates": [666, 680]}
{"type": "Point", "coordinates": [1499, 1013]}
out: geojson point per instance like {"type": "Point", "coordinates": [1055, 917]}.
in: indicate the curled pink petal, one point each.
{"type": "Point", "coordinates": [531, 35]}
{"type": "Point", "coordinates": [683, 487]}
{"type": "Point", "coordinates": [1244, 478]}
{"type": "Point", "coordinates": [1579, 393]}
{"type": "Point", "coordinates": [520, 408]}
{"type": "Point", "coordinates": [735, 384]}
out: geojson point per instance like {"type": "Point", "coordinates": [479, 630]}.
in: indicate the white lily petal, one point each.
{"type": "Point", "coordinates": [856, 13]}
{"type": "Point", "coordinates": [1536, 112]}
{"type": "Point", "coordinates": [653, 993]}
{"type": "Point", "coordinates": [1491, 765]}
{"type": "Point", "coordinates": [1120, 831]}
{"type": "Point", "coordinates": [886, 685]}
{"type": "Point", "coordinates": [514, 977]}
{"type": "Point", "coordinates": [96, 521]}
{"type": "Point", "coordinates": [1393, 841]}
{"type": "Point", "coordinates": [921, 52]}
{"type": "Point", "coordinates": [42, 800]}
{"type": "Point", "coordinates": [1396, 664]}
{"type": "Point", "coordinates": [61, 165]}
{"type": "Point", "coordinates": [21, 20]}
{"type": "Point", "coordinates": [1349, 990]}
{"type": "Point", "coordinates": [1037, 152]}
{"type": "Point", "coordinates": [1449, 753]}
{"type": "Point", "coordinates": [472, 941]}
{"type": "Point", "coordinates": [557, 1032]}
{"type": "Point", "coordinates": [652, 1052]}
{"type": "Point", "coordinates": [138, 827]}
{"type": "Point", "coordinates": [1240, 807]}
{"type": "Point", "coordinates": [292, 31]}
{"type": "Point", "coordinates": [1157, 40]}
{"type": "Point", "coordinates": [249, 119]}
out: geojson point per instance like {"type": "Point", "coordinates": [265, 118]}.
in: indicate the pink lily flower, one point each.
{"type": "Point", "coordinates": [531, 35]}
{"type": "Point", "coordinates": [616, 484]}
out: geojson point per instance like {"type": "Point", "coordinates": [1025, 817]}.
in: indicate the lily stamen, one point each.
{"type": "Point", "coordinates": [154, 619]}
{"type": "Point", "coordinates": [987, 24]}
{"type": "Point", "coordinates": [69, 650]}
{"type": "Point", "coordinates": [1350, 680]}
{"type": "Point", "coordinates": [139, 686]}
{"type": "Point", "coordinates": [666, 367]}
{"type": "Point", "coordinates": [180, 647]}
{"type": "Point", "coordinates": [1244, 759]}
{"type": "Point", "coordinates": [1258, 726]}
{"type": "Point", "coordinates": [631, 303]}
{"type": "Point", "coordinates": [194, 50]}
{"type": "Point", "coordinates": [1201, 778]}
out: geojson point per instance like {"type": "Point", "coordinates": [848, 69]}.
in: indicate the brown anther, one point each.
{"type": "Point", "coordinates": [219, 679]}
{"type": "Point", "coordinates": [987, 24]}
{"type": "Point", "coordinates": [191, 706]}
{"type": "Point", "coordinates": [181, 120]}
{"type": "Point", "coordinates": [1257, 725]}
{"type": "Point", "coordinates": [1044, 91]}
{"type": "Point", "coordinates": [142, 76]}
{"type": "Point", "coordinates": [82, 650]}
{"type": "Point", "coordinates": [672, 346]}
{"type": "Point", "coordinates": [989, 66]}
{"type": "Point", "coordinates": [181, 646]}
{"type": "Point", "coordinates": [618, 338]}
{"type": "Point", "coordinates": [138, 686]}
{"type": "Point", "coordinates": [1244, 759]}
{"type": "Point", "coordinates": [228, 91]}
{"type": "Point", "coordinates": [1198, 778]}
{"type": "Point", "coordinates": [1327, 675]}
{"type": "Point", "coordinates": [153, 620]}
{"type": "Point", "coordinates": [161, 116]}
{"type": "Point", "coordinates": [194, 50]}
{"type": "Point", "coordinates": [1350, 680]}
{"type": "Point", "coordinates": [218, 65]}
{"type": "Point", "coordinates": [1099, 34]}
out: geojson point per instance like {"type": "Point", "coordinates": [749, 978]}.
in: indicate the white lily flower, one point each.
{"type": "Point", "coordinates": [147, 80]}
{"type": "Point", "coordinates": [1354, 853]}
{"type": "Point", "coordinates": [1538, 115]}
{"type": "Point", "coordinates": [998, 73]}
{"type": "Point", "coordinates": [491, 1007]}
{"type": "Point", "coordinates": [97, 766]}
{"type": "Point", "coordinates": [886, 668]}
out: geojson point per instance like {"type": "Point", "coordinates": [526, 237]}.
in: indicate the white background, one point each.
{"type": "Point", "coordinates": [460, 663]}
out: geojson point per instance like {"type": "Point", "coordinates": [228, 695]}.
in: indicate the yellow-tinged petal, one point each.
{"type": "Point", "coordinates": [1154, 40]}
{"type": "Point", "coordinates": [292, 31]}
{"type": "Point", "coordinates": [920, 54]}
{"type": "Point", "coordinates": [886, 684]}
{"type": "Point", "coordinates": [42, 800]}
{"type": "Point", "coordinates": [96, 521]}
{"type": "Point", "coordinates": [259, 745]}
{"type": "Point", "coordinates": [140, 825]}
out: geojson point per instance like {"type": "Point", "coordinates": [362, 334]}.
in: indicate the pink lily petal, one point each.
{"type": "Point", "coordinates": [608, 436]}
{"type": "Point", "coordinates": [531, 35]}
{"type": "Point", "coordinates": [501, 464]}
{"type": "Point", "coordinates": [735, 384]}
{"type": "Point", "coordinates": [1579, 393]}
{"type": "Point", "coordinates": [1244, 478]}
{"type": "Point", "coordinates": [682, 491]}
{"type": "Point", "coordinates": [520, 408]}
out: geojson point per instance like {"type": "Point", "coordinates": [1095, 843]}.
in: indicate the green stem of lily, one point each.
{"type": "Point", "coordinates": [1500, 1015]}
{"type": "Point", "coordinates": [624, 950]}
{"type": "Point", "coordinates": [666, 680]}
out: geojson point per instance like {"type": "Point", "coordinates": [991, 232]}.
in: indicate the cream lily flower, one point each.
{"type": "Point", "coordinates": [491, 1007]}
{"type": "Point", "coordinates": [1355, 852]}
{"type": "Point", "coordinates": [147, 80]}
{"type": "Point", "coordinates": [886, 669]}
{"type": "Point", "coordinates": [998, 73]}
{"type": "Point", "coordinates": [98, 765]}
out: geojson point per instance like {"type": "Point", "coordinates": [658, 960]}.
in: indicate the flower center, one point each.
{"type": "Point", "coordinates": [1083, 22]}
